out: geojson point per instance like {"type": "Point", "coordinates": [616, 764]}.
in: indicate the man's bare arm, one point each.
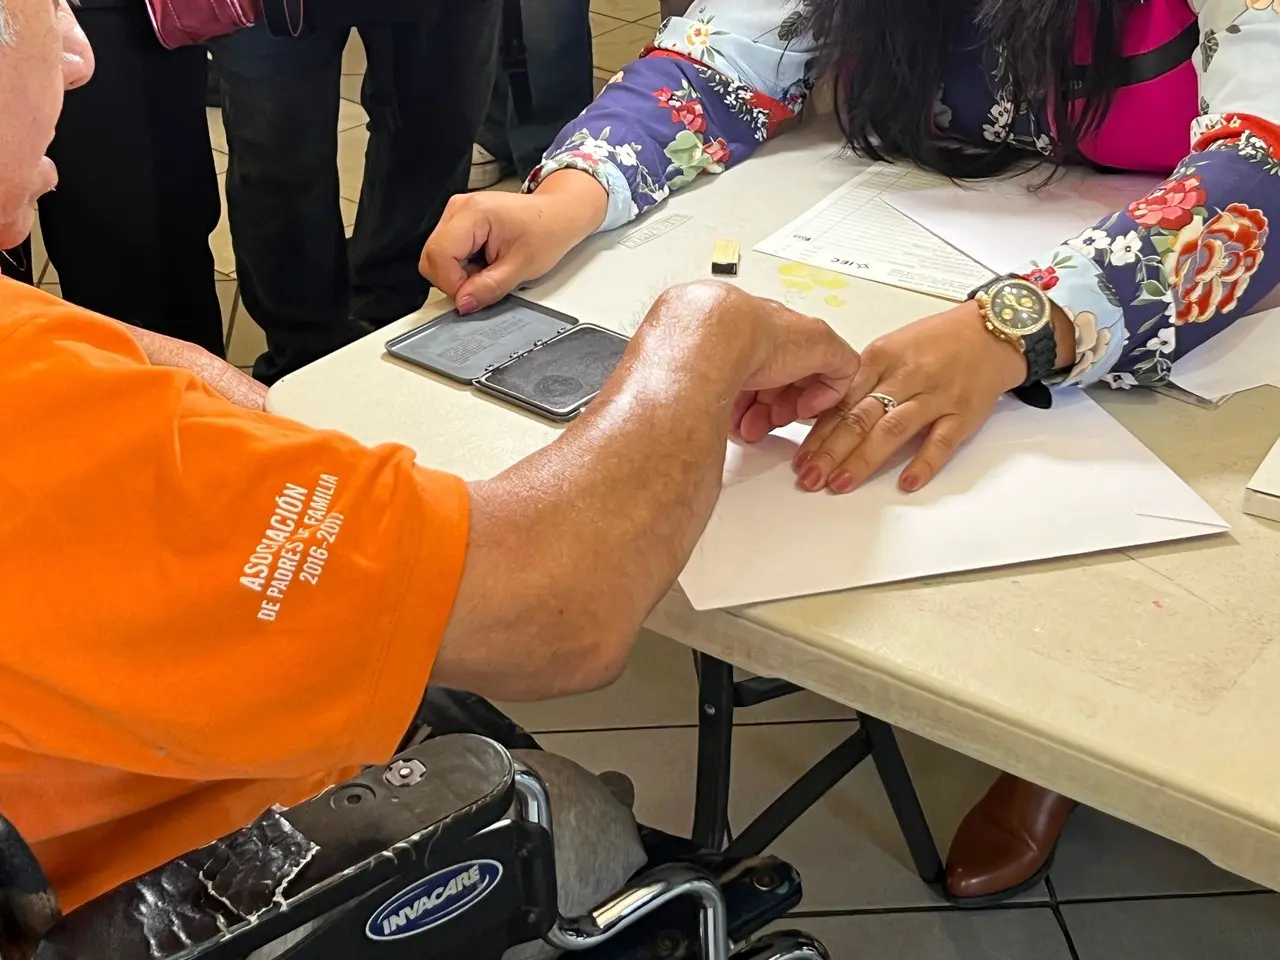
{"type": "Point", "coordinates": [237, 386]}
{"type": "Point", "coordinates": [572, 547]}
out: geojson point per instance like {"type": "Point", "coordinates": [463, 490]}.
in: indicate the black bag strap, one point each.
{"type": "Point", "coordinates": [1144, 67]}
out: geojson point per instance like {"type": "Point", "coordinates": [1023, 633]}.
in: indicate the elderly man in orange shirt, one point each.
{"type": "Point", "coordinates": [155, 695]}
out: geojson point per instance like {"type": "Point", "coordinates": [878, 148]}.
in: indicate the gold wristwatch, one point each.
{"type": "Point", "coordinates": [1018, 312]}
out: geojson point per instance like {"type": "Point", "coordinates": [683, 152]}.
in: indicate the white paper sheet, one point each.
{"type": "Point", "coordinates": [1262, 495]}
{"type": "Point", "coordinates": [1241, 357]}
{"type": "Point", "coordinates": [1004, 223]}
{"type": "Point", "coordinates": [1032, 485]}
{"type": "Point", "coordinates": [854, 232]}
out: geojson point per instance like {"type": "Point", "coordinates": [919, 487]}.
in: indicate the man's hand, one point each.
{"type": "Point", "coordinates": [522, 236]}
{"type": "Point", "coordinates": [619, 500]}
{"type": "Point", "coordinates": [802, 369]}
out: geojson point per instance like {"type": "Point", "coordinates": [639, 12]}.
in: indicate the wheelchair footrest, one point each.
{"type": "Point", "coordinates": [757, 892]}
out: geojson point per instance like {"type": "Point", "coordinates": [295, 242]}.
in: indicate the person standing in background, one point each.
{"type": "Point", "coordinates": [557, 46]}
{"type": "Point", "coordinates": [128, 227]}
{"type": "Point", "coordinates": [430, 71]}
{"type": "Point", "coordinates": [674, 8]}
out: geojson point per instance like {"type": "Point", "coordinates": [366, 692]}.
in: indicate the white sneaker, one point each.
{"type": "Point", "coordinates": [486, 169]}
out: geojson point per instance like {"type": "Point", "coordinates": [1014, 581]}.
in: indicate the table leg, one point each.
{"type": "Point", "coordinates": [718, 695]}
{"type": "Point", "coordinates": [715, 752]}
{"type": "Point", "coordinates": [815, 784]}
{"type": "Point", "coordinates": [896, 779]}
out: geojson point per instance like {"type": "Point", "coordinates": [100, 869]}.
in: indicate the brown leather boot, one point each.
{"type": "Point", "coordinates": [1006, 842]}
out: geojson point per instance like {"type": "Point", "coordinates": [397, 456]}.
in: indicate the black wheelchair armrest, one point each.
{"type": "Point", "coordinates": [458, 784]}
{"type": "Point", "coordinates": [255, 886]}
{"type": "Point", "coordinates": [28, 906]}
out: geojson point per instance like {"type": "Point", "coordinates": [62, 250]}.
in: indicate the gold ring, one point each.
{"type": "Point", "coordinates": [885, 400]}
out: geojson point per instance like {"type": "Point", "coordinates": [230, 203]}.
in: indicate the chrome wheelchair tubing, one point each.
{"type": "Point", "coordinates": [653, 890]}
{"type": "Point", "coordinates": [656, 888]}
{"type": "Point", "coordinates": [783, 945]}
{"type": "Point", "coordinates": [532, 801]}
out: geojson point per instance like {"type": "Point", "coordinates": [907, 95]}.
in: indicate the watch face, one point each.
{"type": "Point", "coordinates": [1017, 306]}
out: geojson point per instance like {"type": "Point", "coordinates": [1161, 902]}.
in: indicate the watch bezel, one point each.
{"type": "Point", "coordinates": [1016, 333]}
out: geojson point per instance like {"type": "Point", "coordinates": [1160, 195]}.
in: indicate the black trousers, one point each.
{"type": "Point", "coordinates": [425, 90]}
{"type": "Point", "coordinates": [128, 227]}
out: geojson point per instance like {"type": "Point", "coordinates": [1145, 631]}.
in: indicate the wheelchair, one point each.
{"type": "Point", "coordinates": [446, 852]}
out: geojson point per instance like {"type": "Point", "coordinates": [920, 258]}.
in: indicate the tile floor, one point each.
{"type": "Point", "coordinates": [1115, 892]}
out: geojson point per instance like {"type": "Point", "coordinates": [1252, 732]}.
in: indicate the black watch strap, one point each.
{"type": "Point", "coordinates": [1041, 349]}
{"type": "Point", "coordinates": [1041, 352]}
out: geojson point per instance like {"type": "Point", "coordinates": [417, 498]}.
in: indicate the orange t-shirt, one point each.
{"type": "Point", "coordinates": [204, 610]}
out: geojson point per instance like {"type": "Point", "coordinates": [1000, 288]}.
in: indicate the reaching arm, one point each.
{"type": "Point", "coordinates": [1157, 279]}
{"type": "Point", "coordinates": [571, 548]}
{"type": "Point", "coordinates": [714, 85]}
{"type": "Point", "coordinates": [313, 580]}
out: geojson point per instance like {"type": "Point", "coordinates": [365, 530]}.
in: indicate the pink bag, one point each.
{"type": "Point", "coordinates": [1148, 124]}
{"type": "Point", "coordinates": [181, 23]}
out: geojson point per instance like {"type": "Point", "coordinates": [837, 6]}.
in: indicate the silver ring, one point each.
{"type": "Point", "coordinates": [885, 400]}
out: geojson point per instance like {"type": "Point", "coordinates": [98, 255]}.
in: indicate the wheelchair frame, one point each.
{"type": "Point", "coordinates": [486, 855]}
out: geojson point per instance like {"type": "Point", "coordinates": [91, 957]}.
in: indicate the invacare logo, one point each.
{"type": "Point", "coordinates": [434, 900]}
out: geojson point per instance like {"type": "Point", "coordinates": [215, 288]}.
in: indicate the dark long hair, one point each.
{"type": "Point", "coordinates": [887, 58]}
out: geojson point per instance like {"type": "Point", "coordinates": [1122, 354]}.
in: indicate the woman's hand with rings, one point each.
{"type": "Point", "coordinates": [941, 376]}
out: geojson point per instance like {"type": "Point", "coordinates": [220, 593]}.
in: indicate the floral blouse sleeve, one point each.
{"type": "Point", "coordinates": [713, 86]}
{"type": "Point", "coordinates": [1157, 279]}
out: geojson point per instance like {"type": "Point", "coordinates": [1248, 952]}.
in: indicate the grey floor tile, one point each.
{"type": "Point", "coordinates": [224, 257]}
{"type": "Point", "coordinates": [613, 50]}
{"type": "Point", "coordinates": [227, 300]}
{"type": "Point", "coordinates": [350, 86]}
{"type": "Point", "coordinates": [350, 114]}
{"type": "Point", "coordinates": [848, 848]}
{"type": "Point", "coordinates": [1029, 933]}
{"type": "Point", "coordinates": [1196, 928]}
{"type": "Point", "coordinates": [658, 689]}
{"type": "Point", "coordinates": [601, 23]}
{"type": "Point", "coordinates": [217, 132]}
{"type": "Point", "coordinates": [353, 57]}
{"type": "Point", "coordinates": [246, 340]}
{"type": "Point", "coordinates": [351, 155]}
{"type": "Point", "coordinates": [1101, 857]}
{"type": "Point", "coordinates": [626, 9]}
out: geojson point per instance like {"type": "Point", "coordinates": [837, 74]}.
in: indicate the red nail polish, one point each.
{"type": "Point", "coordinates": [811, 478]}
{"type": "Point", "coordinates": [910, 482]}
{"type": "Point", "coordinates": [842, 482]}
{"type": "Point", "coordinates": [800, 460]}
